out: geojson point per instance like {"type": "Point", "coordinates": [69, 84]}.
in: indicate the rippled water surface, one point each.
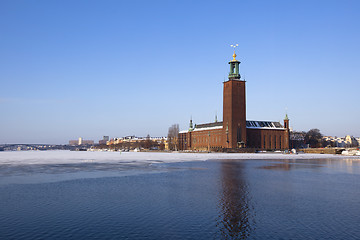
{"type": "Point", "coordinates": [217, 199]}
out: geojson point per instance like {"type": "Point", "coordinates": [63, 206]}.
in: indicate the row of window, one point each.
{"type": "Point", "coordinates": [206, 139]}
{"type": "Point", "coordinates": [270, 143]}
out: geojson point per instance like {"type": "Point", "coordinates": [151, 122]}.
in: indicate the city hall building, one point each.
{"type": "Point", "coordinates": [235, 132]}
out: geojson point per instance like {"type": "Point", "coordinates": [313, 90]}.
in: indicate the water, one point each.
{"type": "Point", "coordinates": [216, 199]}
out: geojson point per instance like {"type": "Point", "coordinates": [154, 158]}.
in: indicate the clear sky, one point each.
{"type": "Point", "coordinates": [74, 68]}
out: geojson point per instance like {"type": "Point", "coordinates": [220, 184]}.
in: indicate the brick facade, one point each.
{"type": "Point", "coordinates": [264, 139]}
{"type": "Point", "coordinates": [234, 112]}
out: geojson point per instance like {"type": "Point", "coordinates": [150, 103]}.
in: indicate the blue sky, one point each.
{"type": "Point", "coordinates": [72, 69]}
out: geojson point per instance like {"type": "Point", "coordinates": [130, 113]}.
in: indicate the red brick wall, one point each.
{"type": "Point", "coordinates": [200, 140]}
{"type": "Point", "coordinates": [263, 139]}
{"type": "Point", "coordinates": [234, 111]}
{"type": "Point", "coordinates": [268, 139]}
{"type": "Point", "coordinates": [184, 141]}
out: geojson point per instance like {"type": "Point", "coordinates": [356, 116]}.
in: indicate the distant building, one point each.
{"type": "Point", "coordinates": [297, 139]}
{"type": "Point", "coordinates": [345, 142]}
{"type": "Point", "coordinates": [334, 141]}
{"type": "Point", "coordinates": [73, 142]}
{"type": "Point", "coordinates": [133, 139]}
{"type": "Point", "coordinates": [80, 142]}
{"type": "Point", "coordinates": [104, 140]}
{"type": "Point", "coordinates": [235, 131]}
{"type": "Point", "coordinates": [351, 141]}
{"type": "Point", "coordinates": [131, 142]}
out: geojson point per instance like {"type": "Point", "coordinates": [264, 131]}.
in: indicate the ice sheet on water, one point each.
{"type": "Point", "coordinates": [69, 165]}
{"type": "Point", "coordinates": [68, 157]}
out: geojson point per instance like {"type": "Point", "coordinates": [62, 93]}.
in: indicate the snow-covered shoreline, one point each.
{"type": "Point", "coordinates": [69, 157]}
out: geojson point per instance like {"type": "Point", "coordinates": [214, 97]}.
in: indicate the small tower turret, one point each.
{"type": "Point", "coordinates": [191, 125]}
{"type": "Point", "coordinates": [287, 132]}
{"type": "Point", "coordinates": [286, 122]}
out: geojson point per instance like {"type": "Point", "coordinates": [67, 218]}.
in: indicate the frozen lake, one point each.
{"type": "Point", "coordinates": [108, 195]}
{"type": "Point", "coordinates": [50, 166]}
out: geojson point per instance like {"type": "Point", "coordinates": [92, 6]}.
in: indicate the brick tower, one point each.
{"type": "Point", "coordinates": [287, 132]}
{"type": "Point", "coordinates": [234, 108]}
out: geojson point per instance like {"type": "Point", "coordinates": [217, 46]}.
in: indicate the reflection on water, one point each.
{"type": "Point", "coordinates": [351, 166]}
{"type": "Point", "coordinates": [287, 165]}
{"type": "Point", "coordinates": [235, 219]}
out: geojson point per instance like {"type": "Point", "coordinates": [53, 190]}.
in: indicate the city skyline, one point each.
{"type": "Point", "coordinates": [72, 69]}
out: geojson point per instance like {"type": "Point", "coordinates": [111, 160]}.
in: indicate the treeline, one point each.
{"type": "Point", "coordinates": [314, 139]}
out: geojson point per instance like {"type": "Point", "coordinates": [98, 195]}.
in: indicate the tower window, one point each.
{"type": "Point", "coordinates": [239, 134]}
{"type": "Point", "coordinates": [264, 142]}
{"type": "Point", "coordinates": [270, 141]}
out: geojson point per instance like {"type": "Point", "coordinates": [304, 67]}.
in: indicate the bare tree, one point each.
{"type": "Point", "coordinates": [313, 137]}
{"type": "Point", "coordinates": [173, 134]}
{"type": "Point", "coordinates": [148, 143]}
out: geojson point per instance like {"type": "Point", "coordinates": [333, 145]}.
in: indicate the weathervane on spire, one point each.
{"type": "Point", "coordinates": [234, 46]}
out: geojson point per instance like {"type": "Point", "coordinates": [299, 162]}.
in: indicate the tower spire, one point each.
{"type": "Point", "coordinates": [234, 55]}
{"type": "Point", "coordinates": [286, 117]}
